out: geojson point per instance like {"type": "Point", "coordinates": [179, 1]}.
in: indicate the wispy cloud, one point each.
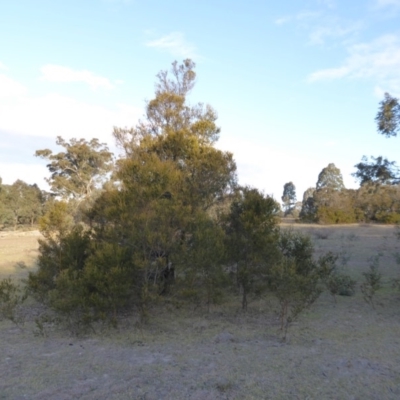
{"type": "Point", "coordinates": [321, 25]}
{"type": "Point", "coordinates": [283, 20]}
{"type": "Point", "coordinates": [333, 29]}
{"type": "Point", "coordinates": [52, 114]}
{"type": "Point", "coordinates": [328, 3]}
{"type": "Point", "coordinates": [301, 16]}
{"type": "Point", "coordinates": [388, 3]}
{"type": "Point", "coordinates": [378, 60]}
{"type": "Point", "coordinates": [58, 73]}
{"type": "Point", "coordinates": [175, 44]}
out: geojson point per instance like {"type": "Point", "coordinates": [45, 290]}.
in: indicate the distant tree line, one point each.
{"type": "Point", "coordinates": [21, 204]}
{"type": "Point", "coordinates": [377, 199]}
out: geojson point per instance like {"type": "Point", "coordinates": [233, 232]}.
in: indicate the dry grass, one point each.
{"type": "Point", "coordinates": [335, 351]}
{"type": "Point", "coordinates": [16, 247]}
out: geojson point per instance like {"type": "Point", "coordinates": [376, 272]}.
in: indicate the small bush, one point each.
{"type": "Point", "coordinates": [372, 281]}
{"type": "Point", "coordinates": [341, 284]}
{"type": "Point", "coordinates": [296, 280]}
{"type": "Point", "coordinates": [387, 217]}
{"type": "Point", "coordinates": [11, 296]}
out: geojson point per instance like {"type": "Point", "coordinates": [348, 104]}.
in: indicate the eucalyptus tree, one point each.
{"type": "Point", "coordinates": [388, 116]}
{"type": "Point", "coordinates": [330, 177]}
{"type": "Point", "coordinates": [77, 171]}
{"type": "Point", "coordinates": [289, 197]}
{"type": "Point", "coordinates": [380, 170]}
{"type": "Point", "coordinates": [20, 204]}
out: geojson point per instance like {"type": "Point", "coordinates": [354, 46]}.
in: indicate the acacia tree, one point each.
{"type": "Point", "coordinates": [289, 197]}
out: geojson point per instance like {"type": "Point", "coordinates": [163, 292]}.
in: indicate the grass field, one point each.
{"type": "Point", "coordinates": [343, 350]}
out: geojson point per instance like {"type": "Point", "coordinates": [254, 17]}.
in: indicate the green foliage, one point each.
{"type": "Point", "coordinates": [252, 233]}
{"type": "Point", "coordinates": [79, 170]}
{"type": "Point", "coordinates": [11, 296]}
{"type": "Point", "coordinates": [341, 284]}
{"type": "Point", "coordinates": [380, 203]}
{"type": "Point", "coordinates": [62, 256]}
{"type": "Point", "coordinates": [330, 177]}
{"type": "Point", "coordinates": [331, 215]}
{"type": "Point", "coordinates": [372, 281]}
{"type": "Point", "coordinates": [296, 278]}
{"type": "Point", "coordinates": [150, 230]}
{"type": "Point", "coordinates": [380, 170]}
{"type": "Point", "coordinates": [289, 197]}
{"type": "Point", "coordinates": [387, 217]}
{"type": "Point", "coordinates": [57, 221]}
{"type": "Point", "coordinates": [20, 204]}
{"type": "Point", "coordinates": [308, 207]}
{"type": "Point", "coordinates": [371, 202]}
{"type": "Point", "coordinates": [388, 116]}
{"type": "Point", "coordinates": [203, 278]}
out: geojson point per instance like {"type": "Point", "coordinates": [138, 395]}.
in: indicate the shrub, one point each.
{"type": "Point", "coordinates": [296, 279]}
{"type": "Point", "coordinates": [341, 284]}
{"type": "Point", "coordinates": [11, 296]}
{"type": "Point", "coordinates": [372, 281]}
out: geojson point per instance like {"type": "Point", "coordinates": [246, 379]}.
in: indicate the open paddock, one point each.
{"type": "Point", "coordinates": [343, 350]}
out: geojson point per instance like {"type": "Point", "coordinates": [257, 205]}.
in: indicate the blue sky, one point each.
{"type": "Point", "coordinates": [296, 84]}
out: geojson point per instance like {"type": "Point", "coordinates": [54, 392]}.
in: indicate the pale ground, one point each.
{"type": "Point", "coordinates": [335, 351]}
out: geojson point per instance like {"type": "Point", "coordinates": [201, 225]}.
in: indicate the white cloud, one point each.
{"type": "Point", "coordinates": [58, 73]}
{"type": "Point", "coordinates": [11, 88]}
{"type": "Point", "coordinates": [42, 118]}
{"type": "Point", "coordinates": [52, 115]}
{"type": "Point", "coordinates": [175, 44]}
{"type": "Point", "coordinates": [3, 67]}
{"type": "Point", "coordinates": [321, 25]}
{"type": "Point", "coordinates": [29, 173]}
{"type": "Point", "coordinates": [330, 73]}
{"type": "Point", "coordinates": [378, 60]}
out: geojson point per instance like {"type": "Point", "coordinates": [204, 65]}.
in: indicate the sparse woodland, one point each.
{"type": "Point", "coordinates": [166, 223]}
